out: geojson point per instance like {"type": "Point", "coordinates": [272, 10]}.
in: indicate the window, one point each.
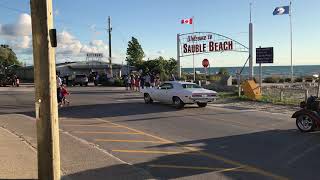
{"type": "Point", "coordinates": [190, 86]}
{"type": "Point", "coordinates": [166, 86]}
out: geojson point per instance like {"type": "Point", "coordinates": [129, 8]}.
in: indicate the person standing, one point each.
{"type": "Point", "coordinates": [133, 82]}
{"type": "Point", "coordinates": [147, 80]}
{"type": "Point", "coordinates": [137, 83]}
{"type": "Point", "coordinates": [152, 80]}
{"type": "Point", "coordinates": [157, 80]}
{"type": "Point", "coordinates": [142, 81]}
{"type": "Point", "coordinates": [59, 97]}
{"type": "Point", "coordinates": [125, 79]}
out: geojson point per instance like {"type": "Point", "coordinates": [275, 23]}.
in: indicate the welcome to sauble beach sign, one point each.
{"type": "Point", "coordinates": [206, 42]}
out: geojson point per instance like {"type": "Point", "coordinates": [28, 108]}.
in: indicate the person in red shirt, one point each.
{"type": "Point", "coordinates": [137, 83]}
{"type": "Point", "coordinates": [64, 93]}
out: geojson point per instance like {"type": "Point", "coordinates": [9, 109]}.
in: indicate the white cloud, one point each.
{"type": "Point", "coordinates": [161, 52]}
{"type": "Point", "coordinates": [70, 45]}
{"type": "Point", "coordinates": [18, 34]}
{"type": "Point", "coordinates": [97, 43]}
{"type": "Point", "coordinates": [56, 12]}
{"type": "Point", "coordinates": [21, 28]}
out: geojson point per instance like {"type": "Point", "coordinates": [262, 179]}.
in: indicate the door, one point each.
{"type": "Point", "coordinates": [165, 90]}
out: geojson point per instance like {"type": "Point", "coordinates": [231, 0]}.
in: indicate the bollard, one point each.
{"type": "Point", "coordinates": [238, 83]}
{"type": "Point", "coordinates": [281, 95]}
{"type": "Point", "coordinates": [306, 95]}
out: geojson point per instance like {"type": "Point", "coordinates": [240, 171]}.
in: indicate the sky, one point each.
{"type": "Point", "coordinates": [82, 28]}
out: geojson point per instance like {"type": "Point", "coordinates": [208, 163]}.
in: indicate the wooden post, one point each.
{"type": "Point", "coordinates": [239, 83]}
{"type": "Point", "coordinates": [318, 89]}
{"type": "Point", "coordinates": [45, 91]}
{"type": "Point", "coordinates": [281, 95]}
{"type": "Point", "coordinates": [110, 55]}
{"type": "Point", "coordinates": [306, 95]}
{"type": "Point", "coordinates": [260, 78]}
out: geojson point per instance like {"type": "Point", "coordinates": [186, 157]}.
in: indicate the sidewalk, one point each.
{"type": "Point", "coordinates": [79, 159]}
{"type": "Point", "coordinates": [17, 159]}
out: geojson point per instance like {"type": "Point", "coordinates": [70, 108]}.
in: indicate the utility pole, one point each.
{"type": "Point", "coordinates": [110, 55]}
{"type": "Point", "coordinates": [251, 69]}
{"type": "Point", "coordinates": [178, 57]}
{"type": "Point", "coordinates": [44, 39]}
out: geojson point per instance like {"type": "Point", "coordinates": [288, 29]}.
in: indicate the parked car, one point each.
{"type": "Point", "coordinates": [3, 80]}
{"type": "Point", "coordinates": [7, 80]}
{"type": "Point", "coordinates": [80, 79]}
{"type": "Point", "coordinates": [179, 94]}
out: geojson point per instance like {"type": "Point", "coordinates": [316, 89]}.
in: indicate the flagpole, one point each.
{"type": "Point", "coordinates": [194, 68]}
{"type": "Point", "coordinates": [290, 14]}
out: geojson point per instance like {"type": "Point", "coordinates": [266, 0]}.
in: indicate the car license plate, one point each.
{"type": "Point", "coordinates": [204, 95]}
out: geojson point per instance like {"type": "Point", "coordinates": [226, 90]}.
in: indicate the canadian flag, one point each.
{"type": "Point", "coordinates": [186, 21]}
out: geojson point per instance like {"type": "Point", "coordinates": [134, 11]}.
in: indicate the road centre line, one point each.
{"type": "Point", "coordinates": [233, 123]}
{"type": "Point", "coordinates": [152, 152]}
{"type": "Point", "coordinates": [195, 168]}
{"type": "Point", "coordinates": [87, 125]}
{"type": "Point", "coordinates": [129, 141]}
{"type": "Point", "coordinates": [77, 120]}
{"type": "Point", "coordinates": [103, 132]}
{"type": "Point", "coordinates": [209, 155]}
{"type": "Point", "coordinates": [135, 130]}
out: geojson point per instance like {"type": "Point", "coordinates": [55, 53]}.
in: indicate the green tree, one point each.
{"type": "Point", "coordinates": [223, 71]}
{"type": "Point", "coordinates": [135, 53]}
{"type": "Point", "coordinates": [8, 57]}
{"type": "Point", "coordinates": [165, 68]}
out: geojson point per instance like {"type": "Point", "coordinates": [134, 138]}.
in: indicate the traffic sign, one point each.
{"type": "Point", "coordinates": [264, 55]}
{"type": "Point", "coordinates": [205, 63]}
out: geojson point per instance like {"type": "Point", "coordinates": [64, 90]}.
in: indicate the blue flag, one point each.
{"type": "Point", "coordinates": [282, 10]}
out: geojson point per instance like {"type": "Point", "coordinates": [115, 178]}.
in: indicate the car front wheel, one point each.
{"type": "Point", "coordinates": [147, 99]}
{"type": "Point", "coordinates": [202, 105]}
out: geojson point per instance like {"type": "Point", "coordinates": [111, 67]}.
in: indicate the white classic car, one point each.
{"type": "Point", "coordinates": [179, 94]}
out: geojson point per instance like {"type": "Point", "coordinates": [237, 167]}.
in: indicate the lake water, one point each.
{"type": "Point", "coordinates": [284, 71]}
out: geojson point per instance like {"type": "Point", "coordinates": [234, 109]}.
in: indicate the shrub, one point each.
{"type": "Point", "coordinates": [223, 71]}
{"type": "Point", "coordinates": [271, 80]}
{"type": "Point", "coordinates": [299, 79]}
{"type": "Point", "coordinates": [281, 80]}
{"type": "Point", "coordinates": [200, 76]}
{"type": "Point", "coordinates": [287, 79]}
{"type": "Point", "coordinates": [119, 82]}
{"type": "Point", "coordinates": [214, 78]}
{"type": "Point", "coordinates": [234, 81]}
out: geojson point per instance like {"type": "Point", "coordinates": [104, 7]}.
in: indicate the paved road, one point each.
{"type": "Point", "coordinates": [194, 143]}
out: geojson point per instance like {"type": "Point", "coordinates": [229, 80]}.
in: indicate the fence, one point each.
{"type": "Point", "coordinates": [288, 95]}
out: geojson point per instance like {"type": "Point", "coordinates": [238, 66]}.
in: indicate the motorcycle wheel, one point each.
{"type": "Point", "coordinates": [305, 123]}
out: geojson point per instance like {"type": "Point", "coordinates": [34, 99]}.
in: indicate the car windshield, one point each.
{"type": "Point", "coordinates": [190, 86]}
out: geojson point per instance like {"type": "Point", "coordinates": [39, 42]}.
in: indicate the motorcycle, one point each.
{"type": "Point", "coordinates": [308, 117]}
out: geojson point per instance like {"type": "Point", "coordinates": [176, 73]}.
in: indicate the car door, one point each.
{"type": "Point", "coordinates": [167, 94]}
{"type": "Point", "coordinates": [162, 92]}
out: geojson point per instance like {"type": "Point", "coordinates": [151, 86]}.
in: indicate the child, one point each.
{"type": "Point", "coordinates": [64, 93]}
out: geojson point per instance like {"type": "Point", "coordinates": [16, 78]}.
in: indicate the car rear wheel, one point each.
{"type": "Point", "coordinates": [178, 103]}
{"type": "Point", "coordinates": [202, 105]}
{"type": "Point", "coordinates": [147, 99]}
